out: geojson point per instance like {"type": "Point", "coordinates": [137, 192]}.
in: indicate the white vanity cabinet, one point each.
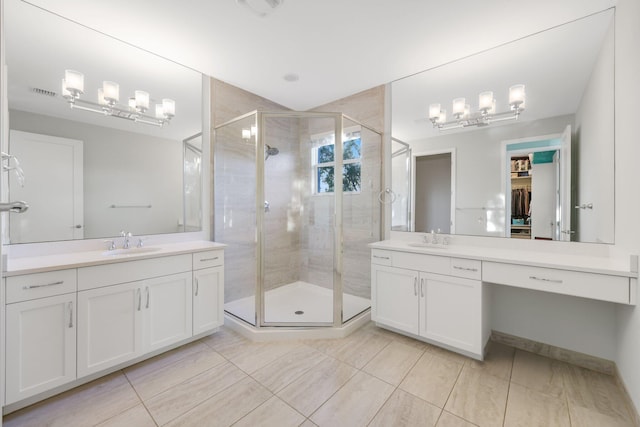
{"type": "Point", "coordinates": [40, 333]}
{"type": "Point", "coordinates": [110, 329]}
{"type": "Point", "coordinates": [208, 291]}
{"type": "Point", "coordinates": [121, 321]}
{"type": "Point", "coordinates": [65, 326]}
{"type": "Point", "coordinates": [437, 298]}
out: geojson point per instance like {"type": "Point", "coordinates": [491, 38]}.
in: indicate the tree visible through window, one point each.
{"type": "Point", "coordinates": [351, 166]}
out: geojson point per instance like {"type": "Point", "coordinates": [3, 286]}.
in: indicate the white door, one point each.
{"type": "Point", "coordinates": [394, 293]}
{"type": "Point", "coordinates": [167, 308]}
{"type": "Point", "coordinates": [52, 187]}
{"type": "Point", "coordinates": [208, 297]}
{"type": "Point", "coordinates": [41, 345]}
{"type": "Point", "coordinates": [109, 326]}
{"type": "Point", "coordinates": [565, 185]}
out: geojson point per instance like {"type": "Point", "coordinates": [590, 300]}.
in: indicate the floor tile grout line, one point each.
{"type": "Point", "coordinates": [139, 398]}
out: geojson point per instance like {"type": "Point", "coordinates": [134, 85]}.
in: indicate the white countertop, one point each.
{"type": "Point", "coordinates": [565, 261]}
{"type": "Point", "coordinates": [38, 264]}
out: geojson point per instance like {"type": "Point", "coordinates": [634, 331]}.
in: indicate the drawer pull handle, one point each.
{"type": "Point", "coordinates": [415, 286]}
{"type": "Point", "coordinates": [465, 268]}
{"type": "Point", "coordinates": [381, 257]}
{"type": "Point", "coordinates": [544, 279]}
{"type": "Point", "coordinates": [209, 259]}
{"type": "Point", "coordinates": [43, 286]}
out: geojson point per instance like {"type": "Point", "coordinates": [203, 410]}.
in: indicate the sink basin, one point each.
{"type": "Point", "coordinates": [131, 251]}
{"type": "Point", "coordinates": [426, 245]}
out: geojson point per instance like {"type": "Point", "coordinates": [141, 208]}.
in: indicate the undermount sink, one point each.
{"type": "Point", "coordinates": [130, 251]}
{"type": "Point", "coordinates": [427, 245]}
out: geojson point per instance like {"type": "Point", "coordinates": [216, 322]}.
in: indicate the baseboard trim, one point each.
{"type": "Point", "coordinates": [558, 353]}
{"type": "Point", "coordinates": [632, 408]}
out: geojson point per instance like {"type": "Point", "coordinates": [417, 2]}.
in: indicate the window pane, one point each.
{"type": "Point", "coordinates": [351, 149]}
{"type": "Point", "coordinates": [325, 154]}
{"type": "Point", "coordinates": [351, 177]}
{"type": "Point", "coordinates": [325, 179]}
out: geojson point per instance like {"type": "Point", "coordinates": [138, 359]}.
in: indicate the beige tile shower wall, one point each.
{"type": "Point", "coordinates": [229, 102]}
{"type": "Point", "coordinates": [235, 209]}
{"type": "Point", "coordinates": [282, 191]}
{"type": "Point", "coordinates": [361, 212]}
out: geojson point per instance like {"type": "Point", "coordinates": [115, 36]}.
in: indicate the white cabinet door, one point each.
{"type": "Point", "coordinates": [208, 299]}
{"type": "Point", "coordinates": [394, 293]}
{"type": "Point", "coordinates": [109, 326]}
{"type": "Point", "coordinates": [167, 310]}
{"type": "Point", "coordinates": [41, 345]}
{"type": "Point", "coordinates": [450, 311]}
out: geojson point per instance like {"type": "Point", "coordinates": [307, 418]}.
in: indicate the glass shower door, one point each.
{"type": "Point", "coordinates": [235, 215]}
{"type": "Point", "coordinates": [298, 219]}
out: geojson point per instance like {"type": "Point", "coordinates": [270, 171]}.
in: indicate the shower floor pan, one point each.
{"type": "Point", "coordinates": [298, 302]}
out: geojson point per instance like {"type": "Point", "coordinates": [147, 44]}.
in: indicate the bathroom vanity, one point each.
{"type": "Point", "coordinates": [440, 293]}
{"type": "Point", "coordinates": [73, 317]}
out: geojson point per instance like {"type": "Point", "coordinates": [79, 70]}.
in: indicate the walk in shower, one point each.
{"type": "Point", "coordinates": [297, 211]}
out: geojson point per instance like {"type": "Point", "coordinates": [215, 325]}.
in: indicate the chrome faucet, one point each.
{"type": "Point", "coordinates": [126, 239]}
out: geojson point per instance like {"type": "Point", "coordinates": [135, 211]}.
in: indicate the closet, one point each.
{"type": "Point", "coordinates": [521, 197]}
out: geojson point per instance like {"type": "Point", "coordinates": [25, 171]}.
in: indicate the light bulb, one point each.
{"type": "Point", "coordinates": [516, 95]}
{"type": "Point", "coordinates": [458, 107]}
{"type": "Point", "coordinates": [434, 111]}
{"type": "Point", "coordinates": [485, 101]}
{"type": "Point", "coordinates": [111, 92]}
{"type": "Point", "coordinates": [74, 81]}
{"type": "Point", "coordinates": [169, 107]}
{"type": "Point", "coordinates": [142, 100]}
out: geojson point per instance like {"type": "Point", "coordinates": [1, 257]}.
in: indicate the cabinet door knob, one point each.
{"type": "Point", "coordinates": [415, 286]}
{"type": "Point", "coordinates": [148, 292]}
{"type": "Point", "coordinates": [422, 287]}
{"type": "Point", "coordinates": [197, 286]}
{"type": "Point", "coordinates": [70, 314]}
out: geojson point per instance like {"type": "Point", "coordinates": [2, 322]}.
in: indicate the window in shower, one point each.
{"type": "Point", "coordinates": [324, 163]}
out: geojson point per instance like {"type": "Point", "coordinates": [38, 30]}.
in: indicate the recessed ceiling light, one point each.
{"type": "Point", "coordinates": [291, 77]}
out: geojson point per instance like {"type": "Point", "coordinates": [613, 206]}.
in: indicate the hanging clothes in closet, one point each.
{"type": "Point", "coordinates": [520, 201]}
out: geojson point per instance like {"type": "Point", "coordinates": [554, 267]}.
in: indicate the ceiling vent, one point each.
{"type": "Point", "coordinates": [261, 8]}
{"type": "Point", "coordinates": [44, 92]}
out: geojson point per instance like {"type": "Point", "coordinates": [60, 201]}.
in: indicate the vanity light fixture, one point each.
{"type": "Point", "coordinates": [108, 97]}
{"type": "Point", "coordinates": [485, 115]}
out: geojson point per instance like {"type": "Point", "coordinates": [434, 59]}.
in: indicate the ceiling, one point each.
{"type": "Point", "coordinates": [336, 47]}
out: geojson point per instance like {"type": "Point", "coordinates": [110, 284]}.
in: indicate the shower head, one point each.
{"type": "Point", "coordinates": [270, 151]}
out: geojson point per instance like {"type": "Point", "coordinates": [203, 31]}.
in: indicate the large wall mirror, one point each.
{"type": "Point", "coordinates": [547, 174]}
{"type": "Point", "coordinates": [87, 174]}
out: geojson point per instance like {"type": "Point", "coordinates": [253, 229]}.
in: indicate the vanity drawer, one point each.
{"type": "Point", "coordinates": [467, 268]}
{"type": "Point", "coordinates": [208, 259]}
{"type": "Point", "coordinates": [429, 263]}
{"type": "Point", "coordinates": [130, 271]}
{"type": "Point", "coordinates": [381, 257]}
{"type": "Point", "coordinates": [587, 285]}
{"type": "Point", "coordinates": [39, 285]}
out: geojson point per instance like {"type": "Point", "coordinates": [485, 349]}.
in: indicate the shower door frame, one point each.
{"type": "Point", "coordinates": [337, 222]}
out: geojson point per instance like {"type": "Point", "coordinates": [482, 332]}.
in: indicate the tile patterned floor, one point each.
{"type": "Point", "coordinates": [371, 378]}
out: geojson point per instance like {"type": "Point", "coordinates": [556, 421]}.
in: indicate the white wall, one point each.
{"type": "Point", "coordinates": [120, 168]}
{"type": "Point", "coordinates": [479, 180]}
{"type": "Point", "coordinates": [594, 137]}
{"type": "Point", "coordinates": [627, 199]}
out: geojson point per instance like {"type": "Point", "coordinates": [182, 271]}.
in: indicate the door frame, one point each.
{"type": "Point", "coordinates": [505, 182]}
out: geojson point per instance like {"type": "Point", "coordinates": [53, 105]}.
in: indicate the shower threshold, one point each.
{"type": "Point", "coordinates": [298, 302]}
